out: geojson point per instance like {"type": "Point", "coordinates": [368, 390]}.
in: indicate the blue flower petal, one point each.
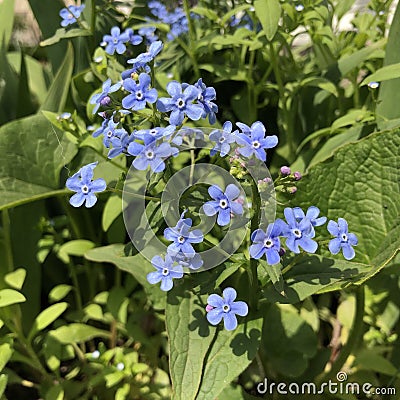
{"type": "Point", "coordinates": [215, 316]}
{"type": "Point", "coordinates": [229, 294]}
{"type": "Point", "coordinates": [230, 321]}
{"type": "Point", "coordinates": [334, 245]}
{"type": "Point", "coordinates": [240, 308]}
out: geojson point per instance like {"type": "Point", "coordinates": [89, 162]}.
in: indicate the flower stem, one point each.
{"type": "Point", "coordinates": [255, 221]}
{"type": "Point", "coordinates": [192, 38]}
{"type": "Point", "coordinates": [353, 340]}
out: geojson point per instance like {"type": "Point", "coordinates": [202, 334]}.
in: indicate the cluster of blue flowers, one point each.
{"type": "Point", "coordinates": [299, 233]}
{"type": "Point", "coordinates": [176, 18]}
{"type": "Point", "coordinates": [150, 148]}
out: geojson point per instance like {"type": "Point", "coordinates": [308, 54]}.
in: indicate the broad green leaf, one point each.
{"type": "Point", "coordinates": [230, 355]}
{"type": "Point", "coordinates": [315, 274]}
{"type": "Point", "coordinates": [227, 272]}
{"type": "Point", "coordinates": [35, 71]}
{"type": "Point", "coordinates": [274, 272]}
{"type": "Point", "coordinates": [6, 21]}
{"type": "Point", "coordinates": [352, 117]}
{"type": "Point", "coordinates": [34, 152]}
{"type": "Point", "coordinates": [25, 105]}
{"type": "Point", "coordinates": [58, 91]}
{"type": "Point", "coordinates": [321, 83]}
{"type": "Point", "coordinates": [10, 296]}
{"type": "Point", "coordinates": [47, 317]}
{"type": "Point", "coordinates": [59, 292]}
{"type": "Point", "coordinates": [62, 33]}
{"type": "Point", "coordinates": [76, 333]}
{"type": "Point", "coordinates": [332, 144]}
{"type": "Point", "coordinates": [389, 92]}
{"type": "Point", "coordinates": [74, 248]}
{"type": "Point", "coordinates": [203, 358]}
{"type": "Point", "coordinates": [370, 360]}
{"type": "Point", "coordinates": [3, 383]}
{"type": "Point", "coordinates": [269, 13]}
{"type": "Point", "coordinates": [136, 265]}
{"type": "Point", "coordinates": [5, 354]}
{"type": "Point", "coordinates": [16, 278]}
{"type": "Point", "coordinates": [383, 74]}
{"type": "Point", "coordinates": [112, 210]}
{"type": "Point", "coordinates": [289, 342]}
{"type": "Point", "coordinates": [361, 184]}
{"type": "Point", "coordinates": [348, 62]}
{"type": "Point", "coordinates": [8, 89]}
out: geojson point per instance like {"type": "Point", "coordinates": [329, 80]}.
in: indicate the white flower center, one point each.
{"type": "Point", "coordinates": [165, 271]}
{"type": "Point", "coordinates": [256, 144]}
{"type": "Point", "coordinates": [226, 308]}
{"type": "Point", "coordinates": [149, 154]}
{"type": "Point", "coordinates": [297, 233]}
{"type": "Point", "coordinates": [181, 239]}
{"type": "Point", "coordinates": [109, 134]}
{"type": "Point", "coordinates": [139, 95]}
{"type": "Point", "coordinates": [85, 189]}
{"type": "Point", "coordinates": [268, 243]}
{"type": "Point", "coordinates": [115, 40]}
{"type": "Point", "coordinates": [223, 203]}
{"type": "Point", "coordinates": [222, 140]}
{"type": "Point", "coordinates": [153, 132]}
{"type": "Point", "coordinates": [180, 103]}
{"type": "Point", "coordinates": [344, 237]}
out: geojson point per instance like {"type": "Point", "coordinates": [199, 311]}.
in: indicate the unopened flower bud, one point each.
{"type": "Point", "coordinates": [285, 170]}
{"type": "Point", "coordinates": [292, 189]}
{"type": "Point", "coordinates": [209, 308]}
{"type": "Point", "coordinates": [297, 175]}
{"type": "Point", "coordinates": [106, 101]}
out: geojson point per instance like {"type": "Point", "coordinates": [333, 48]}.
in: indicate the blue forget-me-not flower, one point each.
{"type": "Point", "coordinates": [70, 14]}
{"type": "Point", "coordinates": [225, 308]}
{"type": "Point", "coordinates": [140, 93]}
{"type": "Point", "coordinates": [223, 139]}
{"type": "Point", "coordinates": [167, 270]}
{"type": "Point", "coordinates": [103, 98]}
{"type": "Point", "coordinates": [180, 103]}
{"type": "Point", "coordinates": [343, 240]}
{"type": "Point", "coordinates": [150, 154]}
{"type": "Point", "coordinates": [267, 243]}
{"type": "Point", "coordinates": [81, 183]}
{"type": "Point", "coordinates": [183, 237]}
{"type": "Point", "coordinates": [116, 41]}
{"type": "Point", "coordinates": [254, 141]}
{"type": "Point", "coordinates": [223, 203]}
{"type": "Point", "coordinates": [298, 233]}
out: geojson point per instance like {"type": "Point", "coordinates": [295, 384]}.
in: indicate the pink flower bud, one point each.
{"type": "Point", "coordinates": [297, 175]}
{"type": "Point", "coordinates": [285, 170]}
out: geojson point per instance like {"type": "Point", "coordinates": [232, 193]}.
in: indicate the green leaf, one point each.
{"type": "Point", "coordinates": [25, 105]}
{"type": "Point", "coordinates": [269, 13]}
{"type": "Point", "coordinates": [74, 248]}
{"type": "Point", "coordinates": [352, 117]}
{"type": "Point", "coordinates": [58, 91]}
{"type": "Point", "coordinates": [62, 33]}
{"type": "Point", "coordinates": [136, 265]}
{"type": "Point", "coordinates": [55, 393]}
{"type": "Point", "coordinates": [10, 296]}
{"type": "Point", "coordinates": [3, 384]}
{"type": "Point", "coordinates": [35, 71]}
{"type": "Point", "coordinates": [112, 210]}
{"type": "Point", "coordinates": [292, 344]}
{"type": "Point", "coordinates": [315, 274]}
{"type": "Point", "coordinates": [16, 278]}
{"type": "Point", "coordinates": [389, 92]}
{"type": "Point", "coordinates": [59, 292]}
{"type": "Point", "coordinates": [205, 12]}
{"type": "Point", "coordinates": [33, 154]}
{"type": "Point", "coordinates": [369, 360]}
{"type": "Point", "coordinates": [76, 333]}
{"type": "Point", "coordinates": [321, 83]}
{"type": "Point", "coordinates": [361, 184]}
{"type": "Point", "coordinates": [203, 358]}
{"type": "Point", "coordinates": [383, 74]}
{"type": "Point", "coordinates": [275, 274]}
{"type": "Point", "coordinates": [6, 21]}
{"type": "Point", "coordinates": [5, 354]}
{"type": "Point", "coordinates": [47, 317]}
